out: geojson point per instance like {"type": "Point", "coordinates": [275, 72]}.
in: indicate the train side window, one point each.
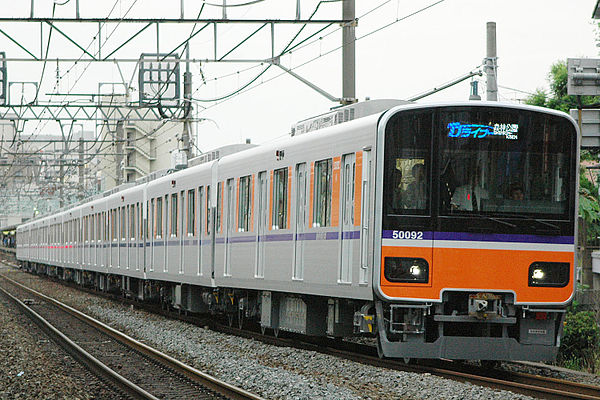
{"type": "Point", "coordinates": [191, 212]}
{"type": "Point", "coordinates": [159, 217]}
{"type": "Point", "coordinates": [132, 221]}
{"type": "Point", "coordinates": [165, 231]}
{"type": "Point", "coordinates": [112, 217]}
{"type": "Point", "coordinates": [149, 217]}
{"type": "Point", "coordinates": [200, 205]}
{"type": "Point", "coordinates": [140, 218]}
{"type": "Point", "coordinates": [322, 194]}
{"type": "Point", "coordinates": [219, 206]}
{"type": "Point", "coordinates": [98, 227]}
{"type": "Point", "coordinates": [174, 219]}
{"type": "Point", "coordinates": [123, 224]}
{"type": "Point", "coordinates": [208, 215]}
{"type": "Point", "coordinates": [182, 215]}
{"type": "Point", "coordinates": [244, 194]}
{"type": "Point", "coordinates": [280, 180]}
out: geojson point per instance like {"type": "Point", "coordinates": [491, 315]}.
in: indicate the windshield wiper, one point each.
{"type": "Point", "coordinates": [539, 221]}
{"type": "Point", "coordinates": [497, 220]}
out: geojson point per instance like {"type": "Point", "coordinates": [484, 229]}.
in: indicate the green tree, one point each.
{"type": "Point", "coordinates": [558, 99]}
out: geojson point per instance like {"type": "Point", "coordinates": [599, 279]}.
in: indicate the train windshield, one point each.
{"type": "Point", "coordinates": [500, 162]}
{"type": "Point", "coordinates": [484, 161]}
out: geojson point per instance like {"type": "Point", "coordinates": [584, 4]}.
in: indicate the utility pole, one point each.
{"type": "Point", "coordinates": [61, 179]}
{"type": "Point", "coordinates": [119, 153]}
{"type": "Point", "coordinates": [349, 53]}
{"type": "Point", "coordinates": [187, 105]}
{"type": "Point", "coordinates": [80, 195]}
{"type": "Point", "coordinates": [491, 65]}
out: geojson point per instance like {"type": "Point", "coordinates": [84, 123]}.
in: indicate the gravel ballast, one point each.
{"type": "Point", "coordinates": [33, 367]}
{"type": "Point", "coordinates": [270, 371]}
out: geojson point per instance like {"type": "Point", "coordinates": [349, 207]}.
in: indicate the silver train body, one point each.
{"type": "Point", "coordinates": [288, 234]}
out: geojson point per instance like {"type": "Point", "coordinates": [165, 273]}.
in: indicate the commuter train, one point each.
{"type": "Point", "coordinates": [443, 230]}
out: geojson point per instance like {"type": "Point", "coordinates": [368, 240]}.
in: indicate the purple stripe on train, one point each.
{"type": "Point", "coordinates": [501, 237]}
{"type": "Point", "coordinates": [476, 237]}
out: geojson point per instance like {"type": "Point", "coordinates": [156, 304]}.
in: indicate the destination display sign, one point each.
{"type": "Point", "coordinates": [477, 131]}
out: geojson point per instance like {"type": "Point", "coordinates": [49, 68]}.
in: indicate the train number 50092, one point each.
{"type": "Point", "coordinates": [407, 235]}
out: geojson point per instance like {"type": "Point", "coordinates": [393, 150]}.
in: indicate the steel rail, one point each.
{"type": "Point", "coordinates": [85, 358]}
{"type": "Point", "coordinates": [533, 385]}
{"type": "Point", "coordinates": [212, 383]}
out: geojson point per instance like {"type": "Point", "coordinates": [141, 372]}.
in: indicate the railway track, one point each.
{"type": "Point", "coordinates": [532, 385]}
{"type": "Point", "coordinates": [133, 368]}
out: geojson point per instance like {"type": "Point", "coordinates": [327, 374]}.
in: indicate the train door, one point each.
{"type": "Point", "coordinates": [199, 227]}
{"type": "Point", "coordinates": [365, 220]}
{"type": "Point", "coordinates": [174, 248]}
{"type": "Point", "coordinates": [263, 222]}
{"type": "Point", "coordinates": [300, 223]}
{"type": "Point", "coordinates": [166, 235]}
{"type": "Point", "coordinates": [87, 246]}
{"type": "Point", "coordinates": [347, 218]}
{"type": "Point", "coordinates": [182, 230]}
{"type": "Point", "coordinates": [229, 224]}
{"type": "Point", "coordinates": [207, 228]}
{"type": "Point", "coordinates": [140, 235]}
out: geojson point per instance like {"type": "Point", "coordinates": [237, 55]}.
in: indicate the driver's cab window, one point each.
{"type": "Point", "coordinates": [407, 186]}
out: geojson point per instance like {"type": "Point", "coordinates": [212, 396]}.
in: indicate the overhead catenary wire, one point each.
{"type": "Point", "coordinates": [246, 87]}
{"type": "Point", "coordinates": [252, 83]}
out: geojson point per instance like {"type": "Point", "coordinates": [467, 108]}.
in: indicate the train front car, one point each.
{"type": "Point", "coordinates": [478, 209]}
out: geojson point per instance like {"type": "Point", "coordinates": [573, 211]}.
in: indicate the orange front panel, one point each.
{"type": "Point", "coordinates": [357, 187]}
{"type": "Point", "coordinates": [335, 192]}
{"type": "Point", "coordinates": [478, 269]}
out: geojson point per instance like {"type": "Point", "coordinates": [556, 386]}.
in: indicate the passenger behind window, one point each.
{"type": "Point", "coordinates": [516, 191]}
{"type": "Point", "coordinates": [397, 200]}
{"type": "Point", "coordinates": [468, 197]}
{"type": "Point", "coordinates": [416, 192]}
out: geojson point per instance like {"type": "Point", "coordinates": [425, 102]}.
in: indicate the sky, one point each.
{"type": "Point", "coordinates": [411, 55]}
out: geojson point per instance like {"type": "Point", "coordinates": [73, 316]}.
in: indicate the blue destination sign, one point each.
{"type": "Point", "coordinates": [475, 131]}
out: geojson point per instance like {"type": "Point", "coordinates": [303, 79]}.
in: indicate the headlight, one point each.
{"type": "Point", "coordinates": [407, 270]}
{"type": "Point", "coordinates": [549, 274]}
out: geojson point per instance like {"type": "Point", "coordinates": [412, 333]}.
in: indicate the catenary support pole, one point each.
{"type": "Point", "coordinates": [491, 66]}
{"type": "Point", "coordinates": [349, 53]}
{"type": "Point", "coordinates": [119, 154]}
{"type": "Point", "coordinates": [80, 194]}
